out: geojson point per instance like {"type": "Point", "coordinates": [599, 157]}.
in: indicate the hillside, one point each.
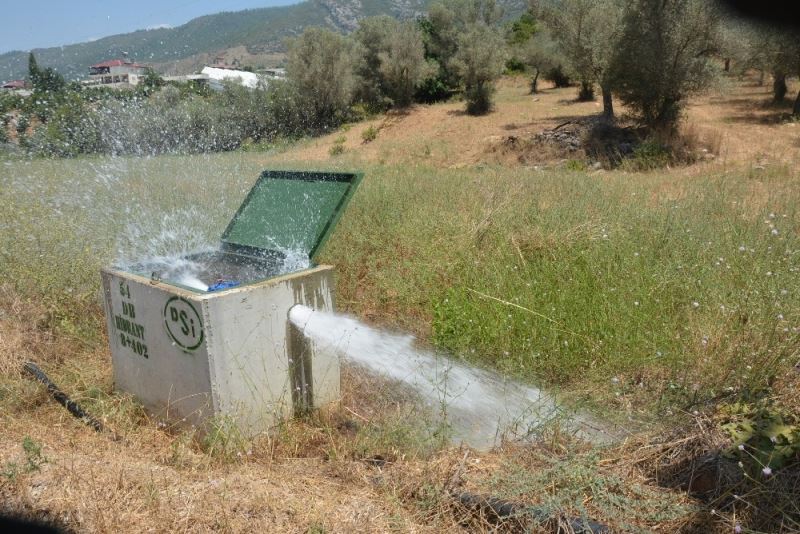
{"type": "Point", "coordinates": [261, 31]}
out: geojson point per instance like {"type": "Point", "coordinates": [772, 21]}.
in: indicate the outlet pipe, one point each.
{"type": "Point", "coordinates": [62, 398]}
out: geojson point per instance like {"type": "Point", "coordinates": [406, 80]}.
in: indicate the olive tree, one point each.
{"type": "Point", "coordinates": [479, 61]}
{"type": "Point", "coordinates": [402, 64]}
{"type": "Point", "coordinates": [392, 62]}
{"type": "Point", "coordinates": [540, 54]}
{"type": "Point", "coordinates": [321, 68]}
{"type": "Point", "coordinates": [371, 35]}
{"type": "Point", "coordinates": [774, 50]}
{"type": "Point", "coordinates": [588, 33]}
{"type": "Point", "coordinates": [663, 56]}
{"type": "Point", "coordinates": [443, 29]}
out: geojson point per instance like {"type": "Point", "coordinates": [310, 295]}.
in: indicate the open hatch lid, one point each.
{"type": "Point", "coordinates": [291, 211]}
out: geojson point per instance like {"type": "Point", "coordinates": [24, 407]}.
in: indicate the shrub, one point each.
{"type": "Point", "coordinates": [369, 134]}
{"type": "Point", "coordinates": [558, 76]}
{"type": "Point", "coordinates": [338, 146]}
{"type": "Point", "coordinates": [648, 156]}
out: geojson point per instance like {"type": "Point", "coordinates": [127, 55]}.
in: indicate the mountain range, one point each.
{"type": "Point", "coordinates": [253, 36]}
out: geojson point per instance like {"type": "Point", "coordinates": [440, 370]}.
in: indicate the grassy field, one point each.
{"type": "Point", "coordinates": [645, 296]}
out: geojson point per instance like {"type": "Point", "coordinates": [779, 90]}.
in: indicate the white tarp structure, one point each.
{"type": "Point", "coordinates": [243, 77]}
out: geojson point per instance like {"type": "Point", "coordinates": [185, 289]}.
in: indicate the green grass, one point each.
{"type": "Point", "coordinates": [629, 288]}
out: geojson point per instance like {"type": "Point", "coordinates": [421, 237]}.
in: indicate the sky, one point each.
{"type": "Point", "coordinates": [28, 24]}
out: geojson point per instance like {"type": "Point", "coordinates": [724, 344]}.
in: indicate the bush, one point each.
{"type": "Point", "coordinates": [514, 65]}
{"type": "Point", "coordinates": [338, 146]}
{"type": "Point", "coordinates": [648, 156]}
{"type": "Point", "coordinates": [558, 76]}
{"type": "Point", "coordinates": [369, 134]}
{"type": "Point", "coordinates": [433, 89]}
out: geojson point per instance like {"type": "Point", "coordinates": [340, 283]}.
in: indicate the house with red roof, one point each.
{"type": "Point", "coordinates": [116, 73]}
{"type": "Point", "coordinates": [14, 85]}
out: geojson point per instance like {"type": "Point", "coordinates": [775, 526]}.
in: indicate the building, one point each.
{"type": "Point", "coordinates": [218, 73]}
{"type": "Point", "coordinates": [116, 73]}
{"type": "Point", "coordinates": [185, 78]}
{"type": "Point", "coordinates": [14, 85]}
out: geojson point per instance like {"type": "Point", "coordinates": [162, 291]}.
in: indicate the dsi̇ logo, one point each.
{"type": "Point", "coordinates": [183, 323]}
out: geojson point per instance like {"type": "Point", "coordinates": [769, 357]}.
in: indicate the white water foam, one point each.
{"type": "Point", "coordinates": [480, 406]}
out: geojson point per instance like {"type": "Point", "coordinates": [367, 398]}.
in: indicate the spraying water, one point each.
{"type": "Point", "coordinates": [479, 406]}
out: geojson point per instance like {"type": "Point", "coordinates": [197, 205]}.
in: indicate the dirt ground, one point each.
{"type": "Point", "coordinates": [736, 121]}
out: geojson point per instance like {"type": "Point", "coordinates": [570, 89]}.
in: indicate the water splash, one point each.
{"type": "Point", "coordinates": [480, 406]}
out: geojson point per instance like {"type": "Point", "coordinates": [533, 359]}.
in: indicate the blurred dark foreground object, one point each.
{"type": "Point", "coordinates": [777, 12]}
{"type": "Point", "coordinates": [12, 524]}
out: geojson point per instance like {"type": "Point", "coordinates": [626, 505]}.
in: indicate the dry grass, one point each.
{"type": "Point", "coordinates": [733, 124]}
{"type": "Point", "coordinates": [364, 467]}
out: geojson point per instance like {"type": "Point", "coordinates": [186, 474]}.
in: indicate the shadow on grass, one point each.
{"type": "Point", "coordinates": [760, 110]}
{"type": "Point", "coordinates": [729, 492]}
{"type": "Point", "coordinates": [561, 119]}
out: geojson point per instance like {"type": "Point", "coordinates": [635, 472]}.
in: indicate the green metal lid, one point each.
{"type": "Point", "coordinates": [291, 211]}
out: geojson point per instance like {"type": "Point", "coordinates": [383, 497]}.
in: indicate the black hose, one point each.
{"type": "Point", "coordinates": [62, 398]}
{"type": "Point", "coordinates": [496, 510]}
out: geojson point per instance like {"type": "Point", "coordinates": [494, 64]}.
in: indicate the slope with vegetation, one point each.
{"type": "Point", "coordinates": [261, 30]}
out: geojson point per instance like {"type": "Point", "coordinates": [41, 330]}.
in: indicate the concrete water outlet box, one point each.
{"type": "Point", "coordinates": [208, 338]}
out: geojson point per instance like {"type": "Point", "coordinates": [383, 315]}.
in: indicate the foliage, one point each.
{"type": "Point", "coordinates": [152, 81]}
{"type": "Point", "coordinates": [663, 57]}
{"type": "Point", "coordinates": [33, 69]}
{"type": "Point", "coordinates": [321, 67]}
{"type": "Point", "coordinates": [71, 130]}
{"type": "Point", "coordinates": [521, 30]}
{"type": "Point", "coordinates": [763, 435]}
{"type": "Point", "coordinates": [479, 60]}
{"type": "Point", "coordinates": [558, 76]}
{"type": "Point", "coordinates": [32, 462]}
{"type": "Point", "coordinates": [48, 81]}
{"type": "Point", "coordinates": [338, 146]}
{"type": "Point", "coordinates": [9, 101]}
{"type": "Point", "coordinates": [541, 55]}
{"type": "Point", "coordinates": [776, 51]}
{"type": "Point", "coordinates": [647, 156]}
{"type": "Point", "coordinates": [439, 30]}
{"type": "Point", "coordinates": [369, 134]}
{"type": "Point", "coordinates": [403, 64]}
{"type": "Point", "coordinates": [393, 62]}
{"type": "Point", "coordinates": [588, 32]}
{"type": "Point", "coordinates": [372, 36]}
{"type": "Point", "coordinates": [443, 32]}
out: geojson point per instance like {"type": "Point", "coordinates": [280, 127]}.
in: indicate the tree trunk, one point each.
{"type": "Point", "coordinates": [608, 104]}
{"type": "Point", "coordinates": [796, 107]}
{"type": "Point", "coordinates": [778, 87]}
{"type": "Point", "coordinates": [535, 82]}
{"type": "Point", "coordinates": [727, 64]}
